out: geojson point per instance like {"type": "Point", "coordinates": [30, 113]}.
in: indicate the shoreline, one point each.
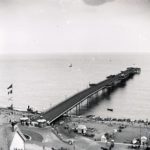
{"type": "Point", "coordinates": [111, 119]}
{"type": "Point", "coordinates": [6, 111]}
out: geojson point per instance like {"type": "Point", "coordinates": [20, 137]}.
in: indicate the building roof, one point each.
{"type": "Point", "coordinates": [6, 136]}
{"type": "Point", "coordinates": [41, 120]}
{"type": "Point", "coordinates": [143, 138]}
{"type": "Point", "coordinates": [81, 126]}
{"type": "Point", "coordinates": [24, 118]}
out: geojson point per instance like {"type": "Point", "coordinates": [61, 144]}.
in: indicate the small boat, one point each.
{"type": "Point", "coordinates": [109, 109]}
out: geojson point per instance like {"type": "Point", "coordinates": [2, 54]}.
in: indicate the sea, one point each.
{"type": "Point", "coordinates": [44, 80]}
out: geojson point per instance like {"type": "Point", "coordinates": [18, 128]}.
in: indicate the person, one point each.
{"type": "Point", "coordinates": [112, 143]}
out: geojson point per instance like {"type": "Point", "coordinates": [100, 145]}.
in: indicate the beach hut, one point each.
{"type": "Point", "coordinates": [136, 143]}
{"type": "Point", "coordinates": [24, 121]}
{"type": "Point", "coordinates": [100, 137]}
{"type": "Point", "coordinates": [143, 140]}
{"type": "Point", "coordinates": [81, 129]}
{"type": "Point", "coordinates": [103, 139]}
{"type": "Point", "coordinates": [41, 123]}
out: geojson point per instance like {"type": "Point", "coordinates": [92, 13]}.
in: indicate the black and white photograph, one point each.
{"type": "Point", "coordinates": [74, 74]}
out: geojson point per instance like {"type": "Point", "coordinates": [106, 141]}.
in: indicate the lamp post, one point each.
{"type": "Point", "coordinates": [140, 131]}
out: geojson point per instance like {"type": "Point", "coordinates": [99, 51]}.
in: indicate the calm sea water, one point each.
{"type": "Point", "coordinates": [42, 81]}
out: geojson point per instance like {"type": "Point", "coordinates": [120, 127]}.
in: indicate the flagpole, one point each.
{"type": "Point", "coordinates": [10, 98]}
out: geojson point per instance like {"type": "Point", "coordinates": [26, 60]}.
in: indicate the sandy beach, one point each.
{"type": "Point", "coordinates": [129, 130]}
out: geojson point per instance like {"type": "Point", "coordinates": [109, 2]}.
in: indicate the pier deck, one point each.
{"type": "Point", "coordinates": [63, 107]}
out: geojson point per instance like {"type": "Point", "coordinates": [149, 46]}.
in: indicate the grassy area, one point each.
{"type": "Point", "coordinates": [34, 135]}
{"type": "Point", "coordinates": [126, 135]}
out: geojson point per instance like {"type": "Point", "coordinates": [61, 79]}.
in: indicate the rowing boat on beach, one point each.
{"type": "Point", "coordinates": [109, 109]}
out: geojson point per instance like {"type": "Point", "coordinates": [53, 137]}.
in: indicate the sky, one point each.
{"type": "Point", "coordinates": [62, 26]}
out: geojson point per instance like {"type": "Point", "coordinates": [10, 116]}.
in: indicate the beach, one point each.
{"type": "Point", "coordinates": [129, 129]}
{"type": "Point", "coordinates": [63, 131]}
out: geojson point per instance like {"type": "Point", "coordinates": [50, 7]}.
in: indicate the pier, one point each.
{"type": "Point", "coordinates": [75, 101]}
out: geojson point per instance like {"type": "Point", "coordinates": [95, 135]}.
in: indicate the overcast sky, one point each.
{"type": "Point", "coordinates": [50, 26]}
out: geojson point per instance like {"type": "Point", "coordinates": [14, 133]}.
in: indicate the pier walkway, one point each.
{"type": "Point", "coordinates": [72, 102]}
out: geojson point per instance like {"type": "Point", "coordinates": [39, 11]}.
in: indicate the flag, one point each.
{"type": "Point", "coordinates": [10, 87]}
{"type": "Point", "coordinates": [10, 92]}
